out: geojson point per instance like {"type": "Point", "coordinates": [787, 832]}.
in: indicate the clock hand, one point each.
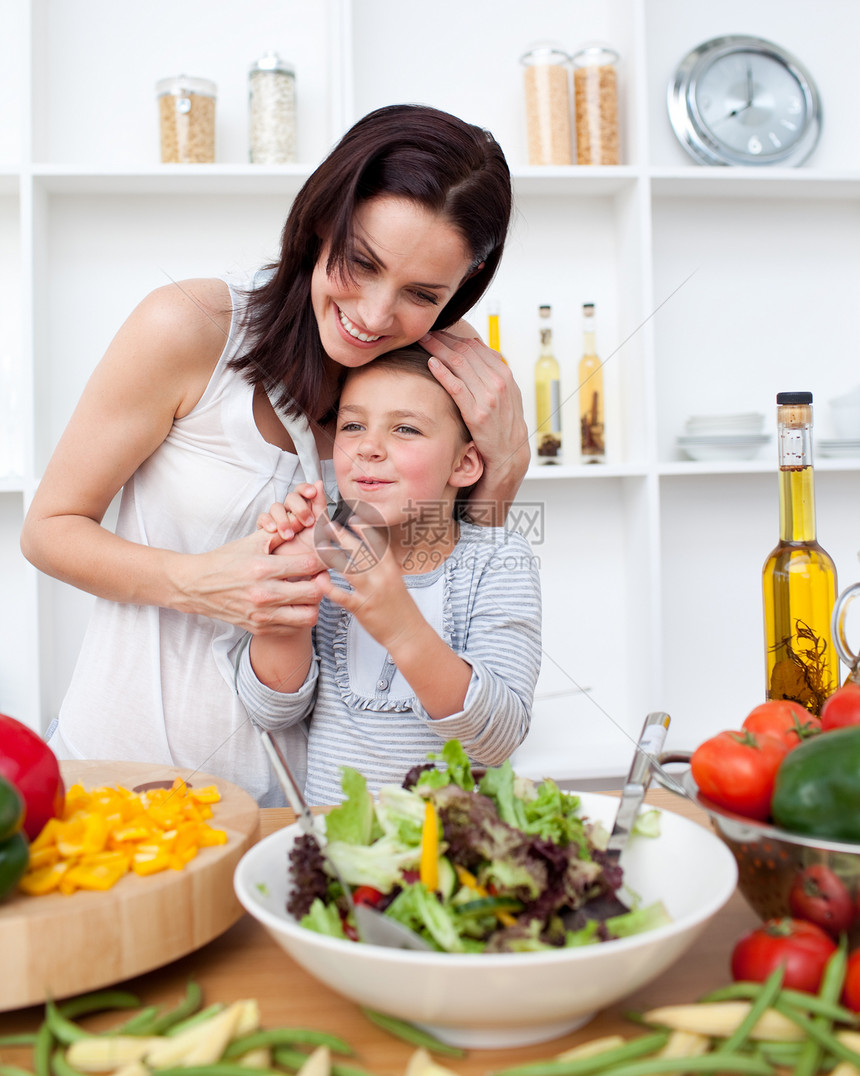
{"type": "Point", "coordinates": [750, 87]}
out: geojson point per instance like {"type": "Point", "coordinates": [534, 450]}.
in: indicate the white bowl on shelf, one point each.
{"type": "Point", "coordinates": [508, 999]}
{"type": "Point", "coordinates": [741, 424]}
{"type": "Point", "coordinates": [725, 447]}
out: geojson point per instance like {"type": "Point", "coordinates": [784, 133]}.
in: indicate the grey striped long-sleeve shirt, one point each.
{"type": "Point", "coordinates": [485, 602]}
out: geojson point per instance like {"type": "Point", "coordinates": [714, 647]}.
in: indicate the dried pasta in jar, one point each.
{"type": "Point", "coordinates": [547, 93]}
{"type": "Point", "coordinates": [595, 98]}
{"type": "Point", "coordinates": [186, 113]}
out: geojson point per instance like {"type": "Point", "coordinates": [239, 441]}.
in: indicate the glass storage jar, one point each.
{"type": "Point", "coordinates": [547, 92]}
{"type": "Point", "coordinates": [186, 112]}
{"type": "Point", "coordinates": [595, 97]}
{"type": "Point", "coordinates": [272, 111]}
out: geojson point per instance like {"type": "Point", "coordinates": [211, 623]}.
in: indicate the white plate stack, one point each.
{"type": "Point", "coordinates": [723, 437]}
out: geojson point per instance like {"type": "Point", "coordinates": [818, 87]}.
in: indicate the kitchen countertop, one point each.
{"type": "Point", "coordinates": [244, 962]}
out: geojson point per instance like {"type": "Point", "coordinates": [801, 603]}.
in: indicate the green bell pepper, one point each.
{"type": "Point", "coordinates": [11, 809]}
{"type": "Point", "coordinates": [14, 858]}
{"type": "Point", "coordinates": [14, 847]}
{"type": "Point", "coordinates": [817, 787]}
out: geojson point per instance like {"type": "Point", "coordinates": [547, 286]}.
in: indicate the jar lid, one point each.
{"type": "Point", "coordinates": [183, 85]}
{"type": "Point", "coordinates": [595, 56]}
{"type": "Point", "coordinates": [793, 398]}
{"type": "Point", "coordinates": [545, 54]}
{"type": "Point", "coordinates": [271, 61]}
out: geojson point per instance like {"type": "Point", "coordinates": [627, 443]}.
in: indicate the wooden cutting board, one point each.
{"type": "Point", "coordinates": [56, 946]}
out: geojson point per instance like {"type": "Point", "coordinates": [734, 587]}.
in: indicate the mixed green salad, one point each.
{"type": "Point", "coordinates": [498, 865]}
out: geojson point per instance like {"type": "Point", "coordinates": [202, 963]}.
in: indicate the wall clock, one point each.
{"type": "Point", "coordinates": [740, 100]}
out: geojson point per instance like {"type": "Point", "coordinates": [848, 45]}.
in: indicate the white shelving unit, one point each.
{"type": "Point", "coordinates": [714, 289]}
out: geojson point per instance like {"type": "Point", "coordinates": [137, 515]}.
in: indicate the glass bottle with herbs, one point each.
{"type": "Point", "coordinates": [799, 576]}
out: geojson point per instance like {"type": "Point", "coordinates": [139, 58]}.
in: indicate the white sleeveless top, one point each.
{"type": "Point", "coordinates": [156, 685]}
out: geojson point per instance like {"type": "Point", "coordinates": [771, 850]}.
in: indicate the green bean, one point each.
{"type": "Point", "coordinates": [781, 1054]}
{"type": "Point", "coordinates": [811, 1003]}
{"type": "Point", "coordinates": [189, 1005]}
{"type": "Point", "coordinates": [744, 1064]}
{"type": "Point", "coordinates": [97, 1002]}
{"type": "Point", "coordinates": [294, 1059]}
{"type": "Point", "coordinates": [830, 989]}
{"type": "Point", "coordinates": [769, 991]}
{"type": "Point", "coordinates": [339, 1069]}
{"type": "Point", "coordinates": [24, 1038]}
{"type": "Point", "coordinates": [286, 1036]}
{"type": "Point", "coordinates": [63, 1030]}
{"type": "Point", "coordinates": [139, 1024]}
{"type": "Point", "coordinates": [402, 1029]}
{"type": "Point", "coordinates": [217, 1068]}
{"type": "Point", "coordinates": [197, 1018]}
{"type": "Point", "coordinates": [60, 1066]}
{"type": "Point", "coordinates": [13, 1070]}
{"type": "Point", "coordinates": [289, 1058]}
{"type": "Point", "coordinates": [42, 1050]}
{"type": "Point", "coordinates": [581, 1066]}
{"type": "Point", "coordinates": [826, 1038]}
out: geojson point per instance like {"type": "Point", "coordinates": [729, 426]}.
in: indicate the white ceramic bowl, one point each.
{"type": "Point", "coordinates": [509, 999]}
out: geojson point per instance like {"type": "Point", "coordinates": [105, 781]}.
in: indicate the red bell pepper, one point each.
{"type": "Point", "coordinates": [28, 762]}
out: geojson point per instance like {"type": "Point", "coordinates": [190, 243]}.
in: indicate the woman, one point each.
{"type": "Point", "coordinates": [216, 397]}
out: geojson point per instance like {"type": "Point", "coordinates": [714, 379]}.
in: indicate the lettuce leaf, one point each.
{"type": "Point", "coordinates": [352, 821]}
{"type": "Point", "coordinates": [380, 864]}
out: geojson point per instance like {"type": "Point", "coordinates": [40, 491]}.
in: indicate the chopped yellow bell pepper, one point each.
{"type": "Point", "coordinates": [429, 866]}
{"type": "Point", "coordinates": [467, 879]}
{"type": "Point", "coordinates": [106, 832]}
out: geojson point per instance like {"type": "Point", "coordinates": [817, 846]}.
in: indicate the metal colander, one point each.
{"type": "Point", "coordinates": [768, 858]}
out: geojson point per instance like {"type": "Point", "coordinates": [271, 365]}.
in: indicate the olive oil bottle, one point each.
{"type": "Point", "coordinates": [592, 442]}
{"type": "Point", "coordinates": [547, 394]}
{"type": "Point", "coordinates": [799, 577]}
{"type": "Point", "coordinates": [493, 333]}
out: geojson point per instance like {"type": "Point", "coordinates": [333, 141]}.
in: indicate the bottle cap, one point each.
{"type": "Point", "coordinates": [794, 397]}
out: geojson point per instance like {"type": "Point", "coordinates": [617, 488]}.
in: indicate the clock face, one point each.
{"type": "Point", "coordinates": [739, 100]}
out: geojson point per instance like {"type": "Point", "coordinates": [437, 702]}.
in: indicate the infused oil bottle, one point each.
{"type": "Point", "coordinates": [547, 394]}
{"type": "Point", "coordinates": [799, 577]}
{"type": "Point", "coordinates": [592, 440]}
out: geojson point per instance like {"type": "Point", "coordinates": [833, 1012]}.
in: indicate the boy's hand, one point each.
{"type": "Point", "coordinates": [300, 510]}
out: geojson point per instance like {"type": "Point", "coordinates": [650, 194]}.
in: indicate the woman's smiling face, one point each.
{"type": "Point", "coordinates": [406, 265]}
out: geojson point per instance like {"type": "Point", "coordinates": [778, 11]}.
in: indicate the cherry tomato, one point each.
{"type": "Point", "coordinates": [820, 896]}
{"type": "Point", "coordinates": [802, 947]}
{"type": "Point", "coordinates": [28, 762]}
{"type": "Point", "coordinates": [737, 770]}
{"type": "Point", "coordinates": [842, 707]}
{"type": "Point", "coordinates": [366, 894]}
{"type": "Point", "coordinates": [787, 720]}
{"type": "Point", "coordinates": [851, 986]}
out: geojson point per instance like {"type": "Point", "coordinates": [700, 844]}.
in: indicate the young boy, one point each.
{"type": "Point", "coordinates": [430, 625]}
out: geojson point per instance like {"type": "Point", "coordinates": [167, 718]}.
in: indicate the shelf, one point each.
{"type": "Point", "coordinates": [244, 179]}
{"type": "Point", "coordinates": [585, 471]}
{"type": "Point", "coordinates": [707, 182]}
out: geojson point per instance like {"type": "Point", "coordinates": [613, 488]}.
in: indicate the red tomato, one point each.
{"type": "Point", "coordinates": [802, 947]}
{"type": "Point", "coordinates": [851, 987]}
{"type": "Point", "coordinates": [28, 762]}
{"type": "Point", "coordinates": [821, 897]}
{"type": "Point", "coordinates": [842, 707]}
{"type": "Point", "coordinates": [366, 894]}
{"type": "Point", "coordinates": [787, 720]}
{"type": "Point", "coordinates": [737, 770]}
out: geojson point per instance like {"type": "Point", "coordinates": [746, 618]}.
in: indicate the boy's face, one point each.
{"type": "Point", "coordinates": [399, 446]}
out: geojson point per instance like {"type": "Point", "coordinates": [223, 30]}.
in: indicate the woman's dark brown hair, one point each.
{"type": "Point", "coordinates": [447, 166]}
